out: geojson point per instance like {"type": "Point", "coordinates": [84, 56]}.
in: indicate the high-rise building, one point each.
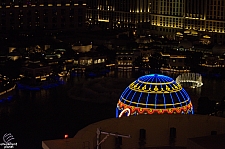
{"type": "Point", "coordinates": [45, 14]}
{"type": "Point", "coordinates": [112, 14]}
{"type": "Point", "coordinates": [202, 18]}
{"type": "Point", "coordinates": [196, 17]}
{"type": "Point", "coordinates": [167, 16]}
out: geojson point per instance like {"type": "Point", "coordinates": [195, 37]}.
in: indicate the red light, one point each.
{"type": "Point", "coordinates": [66, 136]}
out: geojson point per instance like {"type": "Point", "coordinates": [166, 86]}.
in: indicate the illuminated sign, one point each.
{"type": "Point", "coordinates": [154, 94]}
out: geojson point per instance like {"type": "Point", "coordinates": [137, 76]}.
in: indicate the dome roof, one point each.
{"type": "Point", "coordinates": [152, 94]}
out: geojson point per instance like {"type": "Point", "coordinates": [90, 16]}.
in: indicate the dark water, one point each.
{"type": "Point", "coordinates": [50, 114]}
{"type": "Point", "coordinates": [213, 88]}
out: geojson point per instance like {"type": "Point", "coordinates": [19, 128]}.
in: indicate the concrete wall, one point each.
{"type": "Point", "coordinates": [193, 145]}
{"type": "Point", "coordinates": [157, 130]}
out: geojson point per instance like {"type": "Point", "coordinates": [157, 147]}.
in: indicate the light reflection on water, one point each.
{"type": "Point", "coordinates": [214, 89]}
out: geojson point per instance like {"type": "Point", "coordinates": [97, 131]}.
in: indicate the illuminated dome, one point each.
{"type": "Point", "coordinates": [154, 94]}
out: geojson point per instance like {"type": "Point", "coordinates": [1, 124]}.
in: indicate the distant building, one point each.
{"type": "Point", "coordinates": [113, 14]}
{"type": "Point", "coordinates": [125, 59]}
{"type": "Point", "coordinates": [35, 72]}
{"type": "Point", "coordinates": [175, 62]}
{"type": "Point", "coordinates": [203, 19]}
{"type": "Point", "coordinates": [42, 14]}
{"type": "Point", "coordinates": [90, 60]}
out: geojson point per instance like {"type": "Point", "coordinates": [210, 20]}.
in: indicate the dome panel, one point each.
{"type": "Point", "coordinates": [151, 94]}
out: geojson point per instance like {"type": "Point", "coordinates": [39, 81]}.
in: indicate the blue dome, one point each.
{"type": "Point", "coordinates": [154, 93]}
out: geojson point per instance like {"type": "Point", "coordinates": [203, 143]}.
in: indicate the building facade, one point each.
{"type": "Point", "coordinates": [110, 14]}
{"type": "Point", "coordinates": [44, 14]}
{"type": "Point", "coordinates": [199, 18]}
{"type": "Point", "coordinates": [191, 17]}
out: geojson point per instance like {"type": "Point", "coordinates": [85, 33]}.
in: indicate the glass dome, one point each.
{"type": "Point", "coordinates": [154, 94]}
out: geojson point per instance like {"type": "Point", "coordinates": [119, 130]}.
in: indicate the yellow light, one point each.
{"type": "Point", "coordinates": [206, 36]}
{"type": "Point", "coordinates": [101, 20]}
{"type": "Point", "coordinates": [110, 65]}
{"type": "Point", "coordinates": [42, 79]}
{"type": "Point", "coordinates": [174, 89]}
{"type": "Point", "coordinates": [8, 90]}
{"type": "Point", "coordinates": [156, 104]}
{"type": "Point", "coordinates": [164, 54]}
{"type": "Point", "coordinates": [177, 57]}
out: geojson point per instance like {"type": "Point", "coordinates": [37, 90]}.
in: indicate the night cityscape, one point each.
{"type": "Point", "coordinates": [112, 74]}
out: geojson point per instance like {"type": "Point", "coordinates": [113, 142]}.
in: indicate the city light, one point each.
{"type": "Point", "coordinates": [66, 136]}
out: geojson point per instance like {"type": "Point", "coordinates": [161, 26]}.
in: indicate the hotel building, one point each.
{"type": "Point", "coordinates": [46, 14]}
{"type": "Point", "coordinates": [191, 17]}
{"type": "Point", "coordinates": [201, 18]}
{"type": "Point", "coordinates": [110, 14]}
{"type": "Point", "coordinates": [173, 18]}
